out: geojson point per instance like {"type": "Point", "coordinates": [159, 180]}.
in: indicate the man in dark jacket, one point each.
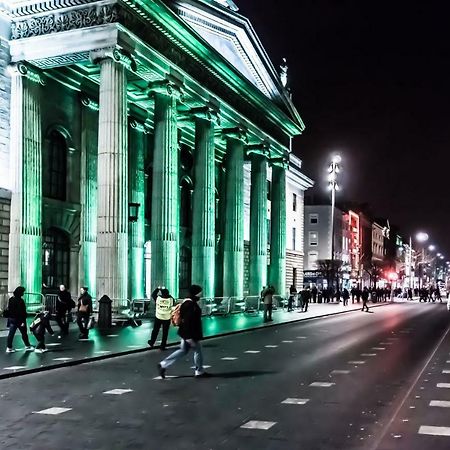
{"type": "Point", "coordinates": [17, 319]}
{"type": "Point", "coordinates": [84, 313]}
{"type": "Point", "coordinates": [63, 304]}
{"type": "Point", "coordinates": [191, 334]}
{"type": "Point", "coordinates": [365, 299]}
{"type": "Point", "coordinates": [39, 326]}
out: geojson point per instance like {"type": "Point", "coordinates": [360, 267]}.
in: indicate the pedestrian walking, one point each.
{"type": "Point", "coordinates": [292, 294]}
{"type": "Point", "coordinates": [84, 311]}
{"type": "Point", "coordinates": [267, 298]}
{"type": "Point", "coordinates": [16, 313]}
{"type": "Point", "coordinates": [345, 296]}
{"type": "Point", "coordinates": [410, 294]}
{"type": "Point", "coordinates": [191, 333]}
{"type": "Point", "coordinates": [314, 293]}
{"type": "Point", "coordinates": [164, 304]}
{"type": "Point", "coordinates": [365, 298]}
{"type": "Point", "coordinates": [305, 298]}
{"type": "Point", "coordinates": [64, 302]}
{"type": "Point", "coordinates": [38, 327]}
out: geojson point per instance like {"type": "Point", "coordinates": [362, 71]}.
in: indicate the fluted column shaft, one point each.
{"type": "Point", "coordinates": [258, 224]}
{"type": "Point", "coordinates": [88, 188]}
{"type": "Point", "coordinates": [278, 231]}
{"type": "Point", "coordinates": [233, 271]}
{"type": "Point", "coordinates": [165, 196]}
{"type": "Point", "coordinates": [112, 239]}
{"type": "Point", "coordinates": [203, 222]}
{"type": "Point", "coordinates": [138, 142]}
{"type": "Point", "coordinates": [25, 240]}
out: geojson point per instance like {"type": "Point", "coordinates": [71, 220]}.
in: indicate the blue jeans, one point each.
{"type": "Point", "coordinates": [13, 325]}
{"type": "Point", "coordinates": [185, 346]}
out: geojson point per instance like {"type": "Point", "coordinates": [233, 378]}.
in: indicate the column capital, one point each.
{"type": "Point", "coordinates": [21, 69]}
{"type": "Point", "coordinates": [169, 86]}
{"type": "Point", "coordinates": [116, 54]}
{"type": "Point", "coordinates": [207, 112]}
{"type": "Point", "coordinates": [139, 126]}
{"type": "Point", "coordinates": [88, 102]}
{"type": "Point", "coordinates": [261, 148]}
{"type": "Point", "coordinates": [239, 133]}
{"type": "Point", "coordinates": [282, 162]}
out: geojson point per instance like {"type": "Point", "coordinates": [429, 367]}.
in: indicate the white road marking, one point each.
{"type": "Point", "coordinates": [295, 401]}
{"type": "Point", "coordinates": [301, 337]}
{"type": "Point", "coordinates": [434, 431]}
{"type": "Point", "coordinates": [356, 362]}
{"type": "Point", "coordinates": [271, 346]}
{"type": "Point", "coordinates": [440, 403]}
{"type": "Point", "coordinates": [228, 358]}
{"type": "Point", "coordinates": [321, 384]}
{"type": "Point", "coordinates": [252, 352]}
{"type": "Point", "coordinates": [287, 342]}
{"type": "Point", "coordinates": [379, 348]}
{"type": "Point", "coordinates": [62, 359]}
{"type": "Point", "coordinates": [446, 371]}
{"type": "Point", "coordinates": [368, 354]}
{"type": "Point", "coordinates": [14, 368]}
{"type": "Point", "coordinates": [167, 377]}
{"type": "Point", "coordinates": [447, 362]}
{"type": "Point", "coordinates": [340, 372]}
{"type": "Point", "coordinates": [53, 411]}
{"type": "Point", "coordinates": [118, 391]}
{"type": "Point", "coordinates": [258, 425]}
{"type": "Point", "coordinates": [54, 344]}
{"type": "Point", "coordinates": [443, 385]}
{"type": "Point", "coordinates": [112, 335]}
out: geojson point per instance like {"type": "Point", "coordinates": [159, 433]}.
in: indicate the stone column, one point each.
{"type": "Point", "coordinates": [112, 237]}
{"type": "Point", "coordinates": [25, 239]}
{"type": "Point", "coordinates": [278, 230]}
{"type": "Point", "coordinates": [203, 221]}
{"type": "Point", "coordinates": [233, 259]}
{"type": "Point", "coordinates": [258, 222]}
{"type": "Point", "coordinates": [88, 189]}
{"type": "Point", "coordinates": [165, 217]}
{"type": "Point", "coordinates": [137, 149]}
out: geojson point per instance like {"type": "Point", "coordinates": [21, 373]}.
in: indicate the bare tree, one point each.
{"type": "Point", "coordinates": [330, 270]}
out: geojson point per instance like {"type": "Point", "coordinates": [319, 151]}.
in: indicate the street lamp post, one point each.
{"type": "Point", "coordinates": [422, 237]}
{"type": "Point", "coordinates": [333, 170]}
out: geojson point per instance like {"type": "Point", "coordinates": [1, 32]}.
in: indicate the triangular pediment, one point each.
{"type": "Point", "coordinates": [233, 37]}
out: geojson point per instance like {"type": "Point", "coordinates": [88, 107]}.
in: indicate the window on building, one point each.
{"type": "Point", "coordinates": [55, 185]}
{"type": "Point", "coordinates": [55, 259]}
{"type": "Point", "coordinates": [294, 238]}
{"type": "Point", "coordinates": [313, 238]}
{"type": "Point", "coordinates": [294, 202]}
{"type": "Point", "coordinates": [312, 260]}
{"type": "Point", "coordinates": [314, 219]}
{"type": "Point", "coordinates": [294, 276]}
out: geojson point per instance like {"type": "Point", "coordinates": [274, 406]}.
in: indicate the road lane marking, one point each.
{"type": "Point", "coordinates": [271, 346]}
{"type": "Point", "coordinates": [287, 342]}
{"type": "Point", "coordinates": [258, 425]}
{"type": "Point", "coordinates": [443, 385]}
{"type": "Point", "coordinates": [368, 354]}
{"type": "Point", "coordinates": [118, 391]}
{"type": "Point", "coordinates": [440, 403]}
{"type": "Point", "coordinates": [434, 431]}
{"type": "Point", "coordinates": [301, 337]}
{"type": "Point", "coordinates": [356, 362]}
{"type": "Point", "coordinates": [295, 401]}
{"type": "Point", "coordinates": [321, 384]}
{"type": "Point", "coordinates": [252, 352]}
{"type": "Point", "coordinates": [228, 358]}
{"type": "Point", "coordinates": [446, 371]}
{"type": "Point", "coordinates": [340, 372]}
{"type": "Point", "coordinates": [378, 348]}
{"type": "Point", "coordinates": [166, 377]}
{"type": "Point", "coordinates": [53, 411]}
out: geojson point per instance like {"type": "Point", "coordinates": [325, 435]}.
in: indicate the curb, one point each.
{"type": "Point", "coordinates": [90, 359]}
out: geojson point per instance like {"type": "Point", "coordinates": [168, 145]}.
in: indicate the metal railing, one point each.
{"type": "Point", "coordinates": [34, 301]}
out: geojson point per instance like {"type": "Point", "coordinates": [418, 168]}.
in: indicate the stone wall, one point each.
{"type": "Point", "coordinates": [5, 202]}
{"type": "Point", "coordinates": [5, 93]}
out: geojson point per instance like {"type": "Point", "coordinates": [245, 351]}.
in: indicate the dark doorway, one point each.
{"type": "Point", "coordinates": [55, 259]}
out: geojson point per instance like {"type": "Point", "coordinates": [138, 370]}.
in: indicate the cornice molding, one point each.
{"type": "Point", "coordinates": [116, 54]}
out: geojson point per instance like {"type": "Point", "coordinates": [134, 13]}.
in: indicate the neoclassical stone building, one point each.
{"type": "Point", "coordinates": [127, 130]}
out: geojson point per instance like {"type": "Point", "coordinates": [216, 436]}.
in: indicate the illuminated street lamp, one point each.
{"type": "Point", "coordinates": [333, 170]}
{"type": "Point", "coordinates": [432, 248]}
{"type": "Point", "coordinates": [422, 237]}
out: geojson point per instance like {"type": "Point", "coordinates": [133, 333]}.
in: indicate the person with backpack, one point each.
{"type": "Point", "coordinates": [16, 313]}
{"type": "Point", "coordinates": [188, 317]}
{"type": "Point", "coordinates": [84, 313]}
{"type": "Point", "coordinates": [38, 327]}
{"type": "Point", "coordinates": [164, 304]}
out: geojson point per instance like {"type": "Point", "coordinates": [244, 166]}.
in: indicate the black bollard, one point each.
{"type": "Point", "coordinates": [105, 313]}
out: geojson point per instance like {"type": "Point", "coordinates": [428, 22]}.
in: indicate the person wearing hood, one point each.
{"type": "Point", "coordinates": [164, 305]}
{"type": "Point", "coordinates": [191, 333]}
{"type": "Point", "coordinates": [17, 319]}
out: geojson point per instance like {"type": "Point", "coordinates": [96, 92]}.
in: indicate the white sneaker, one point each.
{"type": "Point", "coordinates": [10, 350]}
{"type": "Point", "coordinates": [30, 348]}
{"type": "Point", "coordinates": [40, 350]}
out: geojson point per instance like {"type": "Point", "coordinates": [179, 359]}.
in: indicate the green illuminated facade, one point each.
{"type": "Point", "coordinates": [157, 125]}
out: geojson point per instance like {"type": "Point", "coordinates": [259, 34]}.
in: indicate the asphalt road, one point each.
{"type": "Point", "coordinates": [375, 374]}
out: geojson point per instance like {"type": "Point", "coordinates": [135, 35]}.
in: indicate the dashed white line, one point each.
{"type": "Point", "coordinates": [356, 362]}
{"type": "Point", "coordinates": [252, 352]}
{"type": "Point", "coordinates": [287, 342]}
{"type": "Point", "coordinates": [340, 372]}
{"type": "Point", "coordinates": [295, 401]}
{"type": "Point", "coordinates": [368, 354]}
{"type": "Point", "coordinates": [271, 346]}
{"type": "Point", "coordinates": [321, 384]}
{"type": "Point", "coordinates": [434, 431]}
{"type": "Point", "coordinates": [443, 385]}
{"type": "Point", "coordinates": [53, 411]}
{"type": "Point", "coordinates": [228, 358]}
{"type": "Point", "coordinates": [440, 403]}
{"type": "Point", "coordinates": [446, 371]}
{"type": "Point", "coordinates": [118, 391]}
{"type": "Point", "coordinates": [379, 348]}
{"type": "Point", "coordinates": [258, 425]}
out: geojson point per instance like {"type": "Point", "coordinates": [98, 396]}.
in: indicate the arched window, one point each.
{"type": "Point", "coordinates": [186, 204]}
{"type": "Point", "coordinates": [55, 258]}
{"type": "Point", "coordinates": [56, 171]}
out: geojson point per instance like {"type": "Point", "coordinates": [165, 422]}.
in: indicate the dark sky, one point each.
{"type": "Point", "coordinates": [371, 80]}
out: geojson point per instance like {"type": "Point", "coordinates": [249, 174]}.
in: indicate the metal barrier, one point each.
{"type": "Point", "coordinates": [279, 302]}
{"type": "Point", "coordinates": [237, 305]}
{"type": "Point", "coordinates": [252, 304]}
{"type": "Point", "coordinates": [220, 306]}
{"type": "Point", "coordinates": [120, 308]}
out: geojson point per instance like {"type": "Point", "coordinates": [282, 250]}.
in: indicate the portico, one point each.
{"type": "Point", "coordinates": [150, 105]}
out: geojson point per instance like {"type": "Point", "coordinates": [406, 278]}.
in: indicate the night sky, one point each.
{"type": "Point", "coordinates": [371, 81]}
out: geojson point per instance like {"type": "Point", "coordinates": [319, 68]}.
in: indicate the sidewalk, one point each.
{"type": "Point", "coordinates": [121, 341]}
